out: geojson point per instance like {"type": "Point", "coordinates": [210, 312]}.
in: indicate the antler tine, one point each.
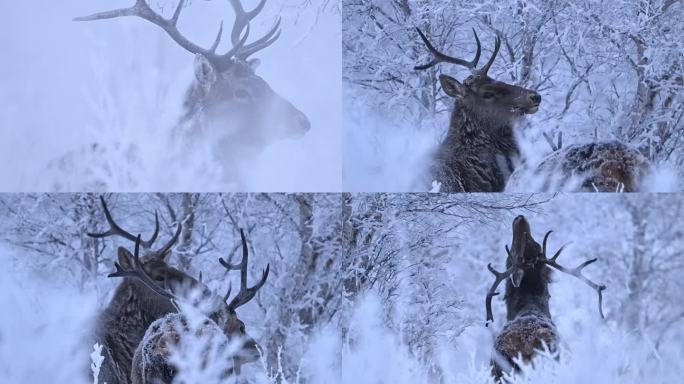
{"type": "Point", "coordinates": [577, 272]}
{"type": "Point", "coordinates": [138, 272]}
{"type": "Point", "coordinates": [218, 39]}
{"type": "Point", "coordinates": [438, 57]}
{"type": "Point", "coordinates": [121, 12]}
{"type": "Point", "coordinates": [143, 10]}
{"type": "Point", "coordinates": [245, 255]}
{"type": "Point", "coordinates": [546, 237]}
{"type": "Point", "coordinates": [242, 19]}
{"type": "Point", "coordinates": [244, 296]}
{"type": "Point", "coordinates": [116, 230]}
{"type": "Point", "coordinates": [500, 276]}
{"type": "Point", "coordinates": [497, 45]}
{"type": "Point", "coordinates": [246, 293]}
{"type": "Point", "coordinates": [227, 295]}
{"type": "Point", "coordinates": [269, 38]}
{"type": "Point", "coordinates": [163, 250]}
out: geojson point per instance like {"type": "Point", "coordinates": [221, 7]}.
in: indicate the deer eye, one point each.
{"type": "Point", "coordinates": [488, 95]}
{"type": "Point", "coordinates": [241, 95]}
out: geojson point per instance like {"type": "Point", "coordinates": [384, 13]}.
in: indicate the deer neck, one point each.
{"type": "Point", "coordinates": [532, 296]}
{"type": "Point", "coordinates": [133, 308]}
{"type": "Point", "coordinates": [122, 325]}
{"type": "Point", "coordinates": [473, 130]}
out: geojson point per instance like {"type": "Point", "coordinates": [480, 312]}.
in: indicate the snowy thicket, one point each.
{"type": "Point", "coordinates": [367, 288]}
{"type": "Point", "coordinates": [91, 106]}
{"type": "Point", "coordinates": [605, 70]}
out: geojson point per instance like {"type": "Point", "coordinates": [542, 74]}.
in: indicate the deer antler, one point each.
{"type": "Point", "coordinates": [439, 57]}
{"type": "Point", "coordinates": [139, 273]}
{"type": "Point", "coordinates": [170, 26]}
{"type": "Point", "coordinates": [497, 45]}
{"type": "Point", "coordinates": [577, 271]}
{"type": "Point", "coordinates": [242, 20]}
{"type": "Point", "coordinates": [116, 230]}
{"type": "Point", "coordinates": [245, 294]}
{"type": "Point", "coordinates": [499, 277]}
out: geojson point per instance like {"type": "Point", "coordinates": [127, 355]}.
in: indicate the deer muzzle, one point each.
{"type": "Point", "coordinates": [521, 230]}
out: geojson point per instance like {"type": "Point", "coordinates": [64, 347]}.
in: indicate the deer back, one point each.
{"type": "Point", "coordinates": [594, 167]}
{"type": "Point", "coordinates": [172, 337]}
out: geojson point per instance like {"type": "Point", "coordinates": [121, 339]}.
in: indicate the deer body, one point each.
{"type": "Point", "coordinates": [140, 326]}
{"type": "Point", "coordinates": [478, 153]}
{"type": "Point", "coordinates": [595, 167]}
{"type": "Point", "coordinates": [172, 334]}
{"type": "Point", "coordinates": [123, 324]}
{"type": "Point", "coordinates": [529, 326]}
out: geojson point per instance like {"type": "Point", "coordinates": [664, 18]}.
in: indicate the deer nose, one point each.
{"type": "Point", "coordinates": [535, 97]}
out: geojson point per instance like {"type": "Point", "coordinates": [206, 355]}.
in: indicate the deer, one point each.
{"type": "Point", "coordinates": [138, 302]}
{"type": "Point", "coordinates": [529, 325]}
{"type": "Point", "coordinates": [227, 105]}
{"type": "Point", "coordinates": [609, 166]}
{"type": "Point", "coordinates": [152, 361]}
{"type": "Point", "coordinates": [479, 151]}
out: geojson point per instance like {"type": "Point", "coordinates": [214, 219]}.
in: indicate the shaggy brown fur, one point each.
{"type": "Point", "coordinates": [122, 325]}
{"type": "Point", "coordinates": [151, 363]}
{"type": "Point", "coordinates": [521, 338]}
{"type": "Point", "coordinates": [596, 167]}
{"type": "Point", "coordinates": [479, 152]}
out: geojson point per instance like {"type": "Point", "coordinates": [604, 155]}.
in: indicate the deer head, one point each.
{"type": "Point", "coordinates": [232, 101]}
{"type": "Point", "coordinates": [525, 257]}
{"type": "Point", "coordinates": [154, 262]}
{"type": "Point", "coordinates": [480, 93]}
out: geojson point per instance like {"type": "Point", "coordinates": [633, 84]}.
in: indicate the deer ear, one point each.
{"type": "Point", "coordinates": [205, 72]}
{"type": "Point", "coordinates": [451, 86]}
{"type": "Point", "coordinates": [125, 258]}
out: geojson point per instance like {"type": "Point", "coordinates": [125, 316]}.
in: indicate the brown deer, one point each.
{"type": "Point", "coordinates": [132, 309]}
{"type": "Point", "coordinates": [228, 104]}
{"type": "Point", "coordinates": [138, 302]}
{"type": "Point", "coordinates": [595, 167]}
{"type": "Point", "coordinates": [529, 325]}
{"type": "Point", "coordinates": [152, 362]}
{"type": "Point", "coordinates": [479, 151]}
